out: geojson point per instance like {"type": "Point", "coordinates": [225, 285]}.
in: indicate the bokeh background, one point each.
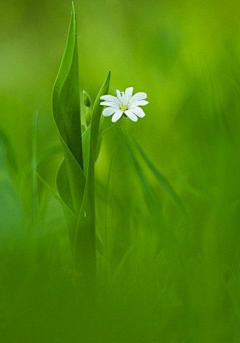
{"type": "Point", "coordinates": [165, 275]}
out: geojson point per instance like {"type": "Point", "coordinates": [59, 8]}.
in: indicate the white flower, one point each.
{"type": "Point", "coordinates": [124, 104]}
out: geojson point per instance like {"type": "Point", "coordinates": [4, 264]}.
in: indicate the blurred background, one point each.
{"type": "Point", "coordinates": [166, 276]}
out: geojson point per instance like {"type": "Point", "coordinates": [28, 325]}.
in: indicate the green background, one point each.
{"type": "Point", "coordinates": [165, 276]}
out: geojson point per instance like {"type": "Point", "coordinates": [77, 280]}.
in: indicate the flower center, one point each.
{"type": "Point", "coordinates": [123, 107]}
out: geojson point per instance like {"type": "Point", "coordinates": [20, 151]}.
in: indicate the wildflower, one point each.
{"type": "Point", "coordinates": [124, 104]}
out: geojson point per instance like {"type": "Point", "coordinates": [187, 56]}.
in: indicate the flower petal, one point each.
{"type": "Point", "coordinates": [110, 104]}
{"type": "Point", "coordinates": [126, 96]}
{"type": "Point", "coordinates": [138, 96]}
{"type": "Point", "coordinates": [110, 98]}
{"type": "Point", "coordinates": [109, 111]}
{"type": "Point", "coordinates": [117, 115]}
{"type": "Point", "coordinates": [138, 103]}
{"type": "Point", "coordinates": [119, 95]}
{"type": "Point", "coordinates": [139, 112]}
{"type": "Point", "coordinates": [128, 92]}
{"type": "Point", "coordinates": [131, 115]}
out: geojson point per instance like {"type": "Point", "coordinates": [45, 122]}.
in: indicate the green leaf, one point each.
{"type": "Point", "coordinates": [63, 185]}
{"type": "Point", "coordinates": [86, 144]}
{"type": "Point", "coordinates": [84, 248]}
{"type": "Point", "coordinates": [5, 141]}
{"type": "Point", "coordinates": [96, 116]}
{"type": "Point", "coordinates": [71, 218]}
{"type": "Point", "coordinates": [161, 179]}
{"type": "Point", "coordinates": [66, 111]}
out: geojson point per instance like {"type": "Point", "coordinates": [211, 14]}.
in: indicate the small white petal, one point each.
{"type": "Point", "coordinates": [110, 104]}
{"type": "Point", "coordinates": [138, 103]}
{"type": "Point", "coordinates": [119, 96]}
{"type": "Point", "coordinates": [131, 115]}
{"type": "Point", "coordinates": [139, 112]}
{"type": "Point", "coordinates": [138, 96]}
{"type": "Point", "coordinates": [109, 98]}
{"type": "Point", "coordinates": [117, 115]}
{"type": "Point", "coordinates": [109, 111]}
{"type": "Point", "coordinates": [128, 92]}
{"type": "Point", "coordinates": [126, 96]}
{"type": "Point", "coordinates": [125, 100]}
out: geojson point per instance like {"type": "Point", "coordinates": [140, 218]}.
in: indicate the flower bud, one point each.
{"type": "Point", "coordinates": [87, 99]}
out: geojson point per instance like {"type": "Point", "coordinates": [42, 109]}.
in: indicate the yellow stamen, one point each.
{"type": "Point", "coordinates": [123, 107]}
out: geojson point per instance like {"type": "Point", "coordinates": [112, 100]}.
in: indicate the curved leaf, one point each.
{"type": "Point", "coordinates": [66, 111]}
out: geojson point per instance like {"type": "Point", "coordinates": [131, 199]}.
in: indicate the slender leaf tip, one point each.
{"type": "Point", "coordinates": [73, 8]}
{"type": "Point", "coordinates": [74, 19]}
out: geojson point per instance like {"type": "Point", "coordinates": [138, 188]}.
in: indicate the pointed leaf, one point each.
{"type": "Point", "coordinates": [66, 111]}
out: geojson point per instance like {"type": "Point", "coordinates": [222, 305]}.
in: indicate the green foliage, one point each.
{"type": "Point", "coordinates": [84, 245]}
{"type": "Point", "coordinates": [75, 177]}
{"type": "Point", "coordinates": [66, 110]}
{"type": "Point", "coordinates": [166, 188]}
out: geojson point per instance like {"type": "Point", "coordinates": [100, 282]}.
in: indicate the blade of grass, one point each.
{"type": "Point", "coordinates": [159, 176]}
